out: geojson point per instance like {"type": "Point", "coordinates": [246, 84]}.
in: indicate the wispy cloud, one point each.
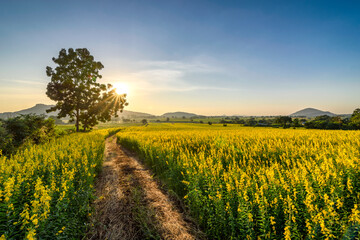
{"type": "Point", "coordinates": [182, 66]}
{"type": "Point", "coordinates": [172, 76]}
{"type": "Point", "coordinates": [160, 76]}
{"type": "Point", "coordinates": [29, 82]}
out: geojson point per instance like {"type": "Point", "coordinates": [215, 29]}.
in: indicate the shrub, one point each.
{"type": "Point", "coordinates": [22, 129]}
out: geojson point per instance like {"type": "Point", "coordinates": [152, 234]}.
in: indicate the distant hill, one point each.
{"type": "Point", "coordinates": [132, 114]}
{"type": "Point", "coordinates": [311, 112]}
{"type": "Point", "coordinates": [39, 109]}
{"type": "Point", "coordinates": [179, 115]}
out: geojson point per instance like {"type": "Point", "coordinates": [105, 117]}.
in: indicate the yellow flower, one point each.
{"type": "Point", "coordinates": [35, 221]}
{"type": "Point", "coordinates": [250, 217]}
{"type": "Point", "coordinates": [287, 233]}
{"type": "Point", "coordinates": [272, 220]}
{"type": "Point", "coordinates": [31, 235]}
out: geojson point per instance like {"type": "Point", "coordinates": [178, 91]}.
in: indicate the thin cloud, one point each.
{"type": "Point", "coordinates": [160, 75]}
{"type": "Point", "coordinates": [171, 76]}
{"type": "Point", "coordinates": [189, 89]}
{"type": "Point", "coordinates": [177, 65]}
{"type": "Point", "coordinates": [30, 82]}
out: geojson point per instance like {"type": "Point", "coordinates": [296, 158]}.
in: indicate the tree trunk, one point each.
{"type": "Point", "coordinates": [77, 120]}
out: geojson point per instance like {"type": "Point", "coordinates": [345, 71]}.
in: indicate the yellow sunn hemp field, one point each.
{"type": "Point", "coordinates": [245, 183]}
{"type": "Point", "coordinates": [45, 190]}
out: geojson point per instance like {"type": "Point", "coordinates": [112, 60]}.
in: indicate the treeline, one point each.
{"type": "Point", "coordinates": [320, 122]}
{"type": "Point", "coordinates": [281, 121]}
{"type": "Point", "coordinates": [327, 122]}
{"type": "Point", "coordinates": [25, 129]}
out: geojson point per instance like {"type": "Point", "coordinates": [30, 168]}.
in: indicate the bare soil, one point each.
{"type": "Point", "coordinates": [130, 204]}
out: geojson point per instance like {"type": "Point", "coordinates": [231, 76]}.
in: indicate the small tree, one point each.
{"type": "Point", "coordinates": [6, 140]}
{"type": "Point", "coordinates": [283, 121]}
{"type": "Point", "coordinates": [296, 123]}
{"type": "Point", "coordinates": [77, 94]}
{"type": "Point", "coordinates": [144, 121]}
{"type": "Point", "coordinates": [250, 122]}
{"type": "Point", "coordinates": [355, 119]}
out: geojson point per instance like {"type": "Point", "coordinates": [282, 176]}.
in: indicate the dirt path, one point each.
{"type": "Point", "coordinates": [131, 205]}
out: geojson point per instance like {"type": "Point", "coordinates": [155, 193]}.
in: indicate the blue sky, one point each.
{"type": "Point", "coordinates": [207, 57]}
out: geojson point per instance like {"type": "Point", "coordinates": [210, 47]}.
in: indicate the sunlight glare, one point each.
{"type": "Point", "coordinates": [121, 88]}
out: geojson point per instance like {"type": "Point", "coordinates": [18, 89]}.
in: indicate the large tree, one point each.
{"type": "Point", "coordinates": [76, 91]}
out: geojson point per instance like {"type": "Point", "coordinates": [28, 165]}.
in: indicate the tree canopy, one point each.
{"type": "Point", "coordinates": [77, 93]}
{"type": "Point", "coordinates": [284, 121]}
{"type": "Point", "coordinates": [355, 118]}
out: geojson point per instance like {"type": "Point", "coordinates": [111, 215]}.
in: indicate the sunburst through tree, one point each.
{"type": "Point", "coordinates": [77, 93]}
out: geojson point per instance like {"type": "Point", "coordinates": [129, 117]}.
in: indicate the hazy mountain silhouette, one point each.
{"type": "Point", "coordinates": [132, 114]}
{"type": "Point", "coordinates": [39, 109]}
{"type": "Point", "coordinates": [311, 112]}
{"type": "Point", "coordinates": [179, 114]}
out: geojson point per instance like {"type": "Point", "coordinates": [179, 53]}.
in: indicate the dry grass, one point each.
{"type": "Point", "coordinates": [131, 205]}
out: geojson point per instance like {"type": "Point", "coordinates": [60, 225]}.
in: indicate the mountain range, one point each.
{"type": "Point", "coordinates": [41, 109]}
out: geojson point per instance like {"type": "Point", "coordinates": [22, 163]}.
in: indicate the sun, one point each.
{"type": "Point", "coordinates": [121, 88]}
